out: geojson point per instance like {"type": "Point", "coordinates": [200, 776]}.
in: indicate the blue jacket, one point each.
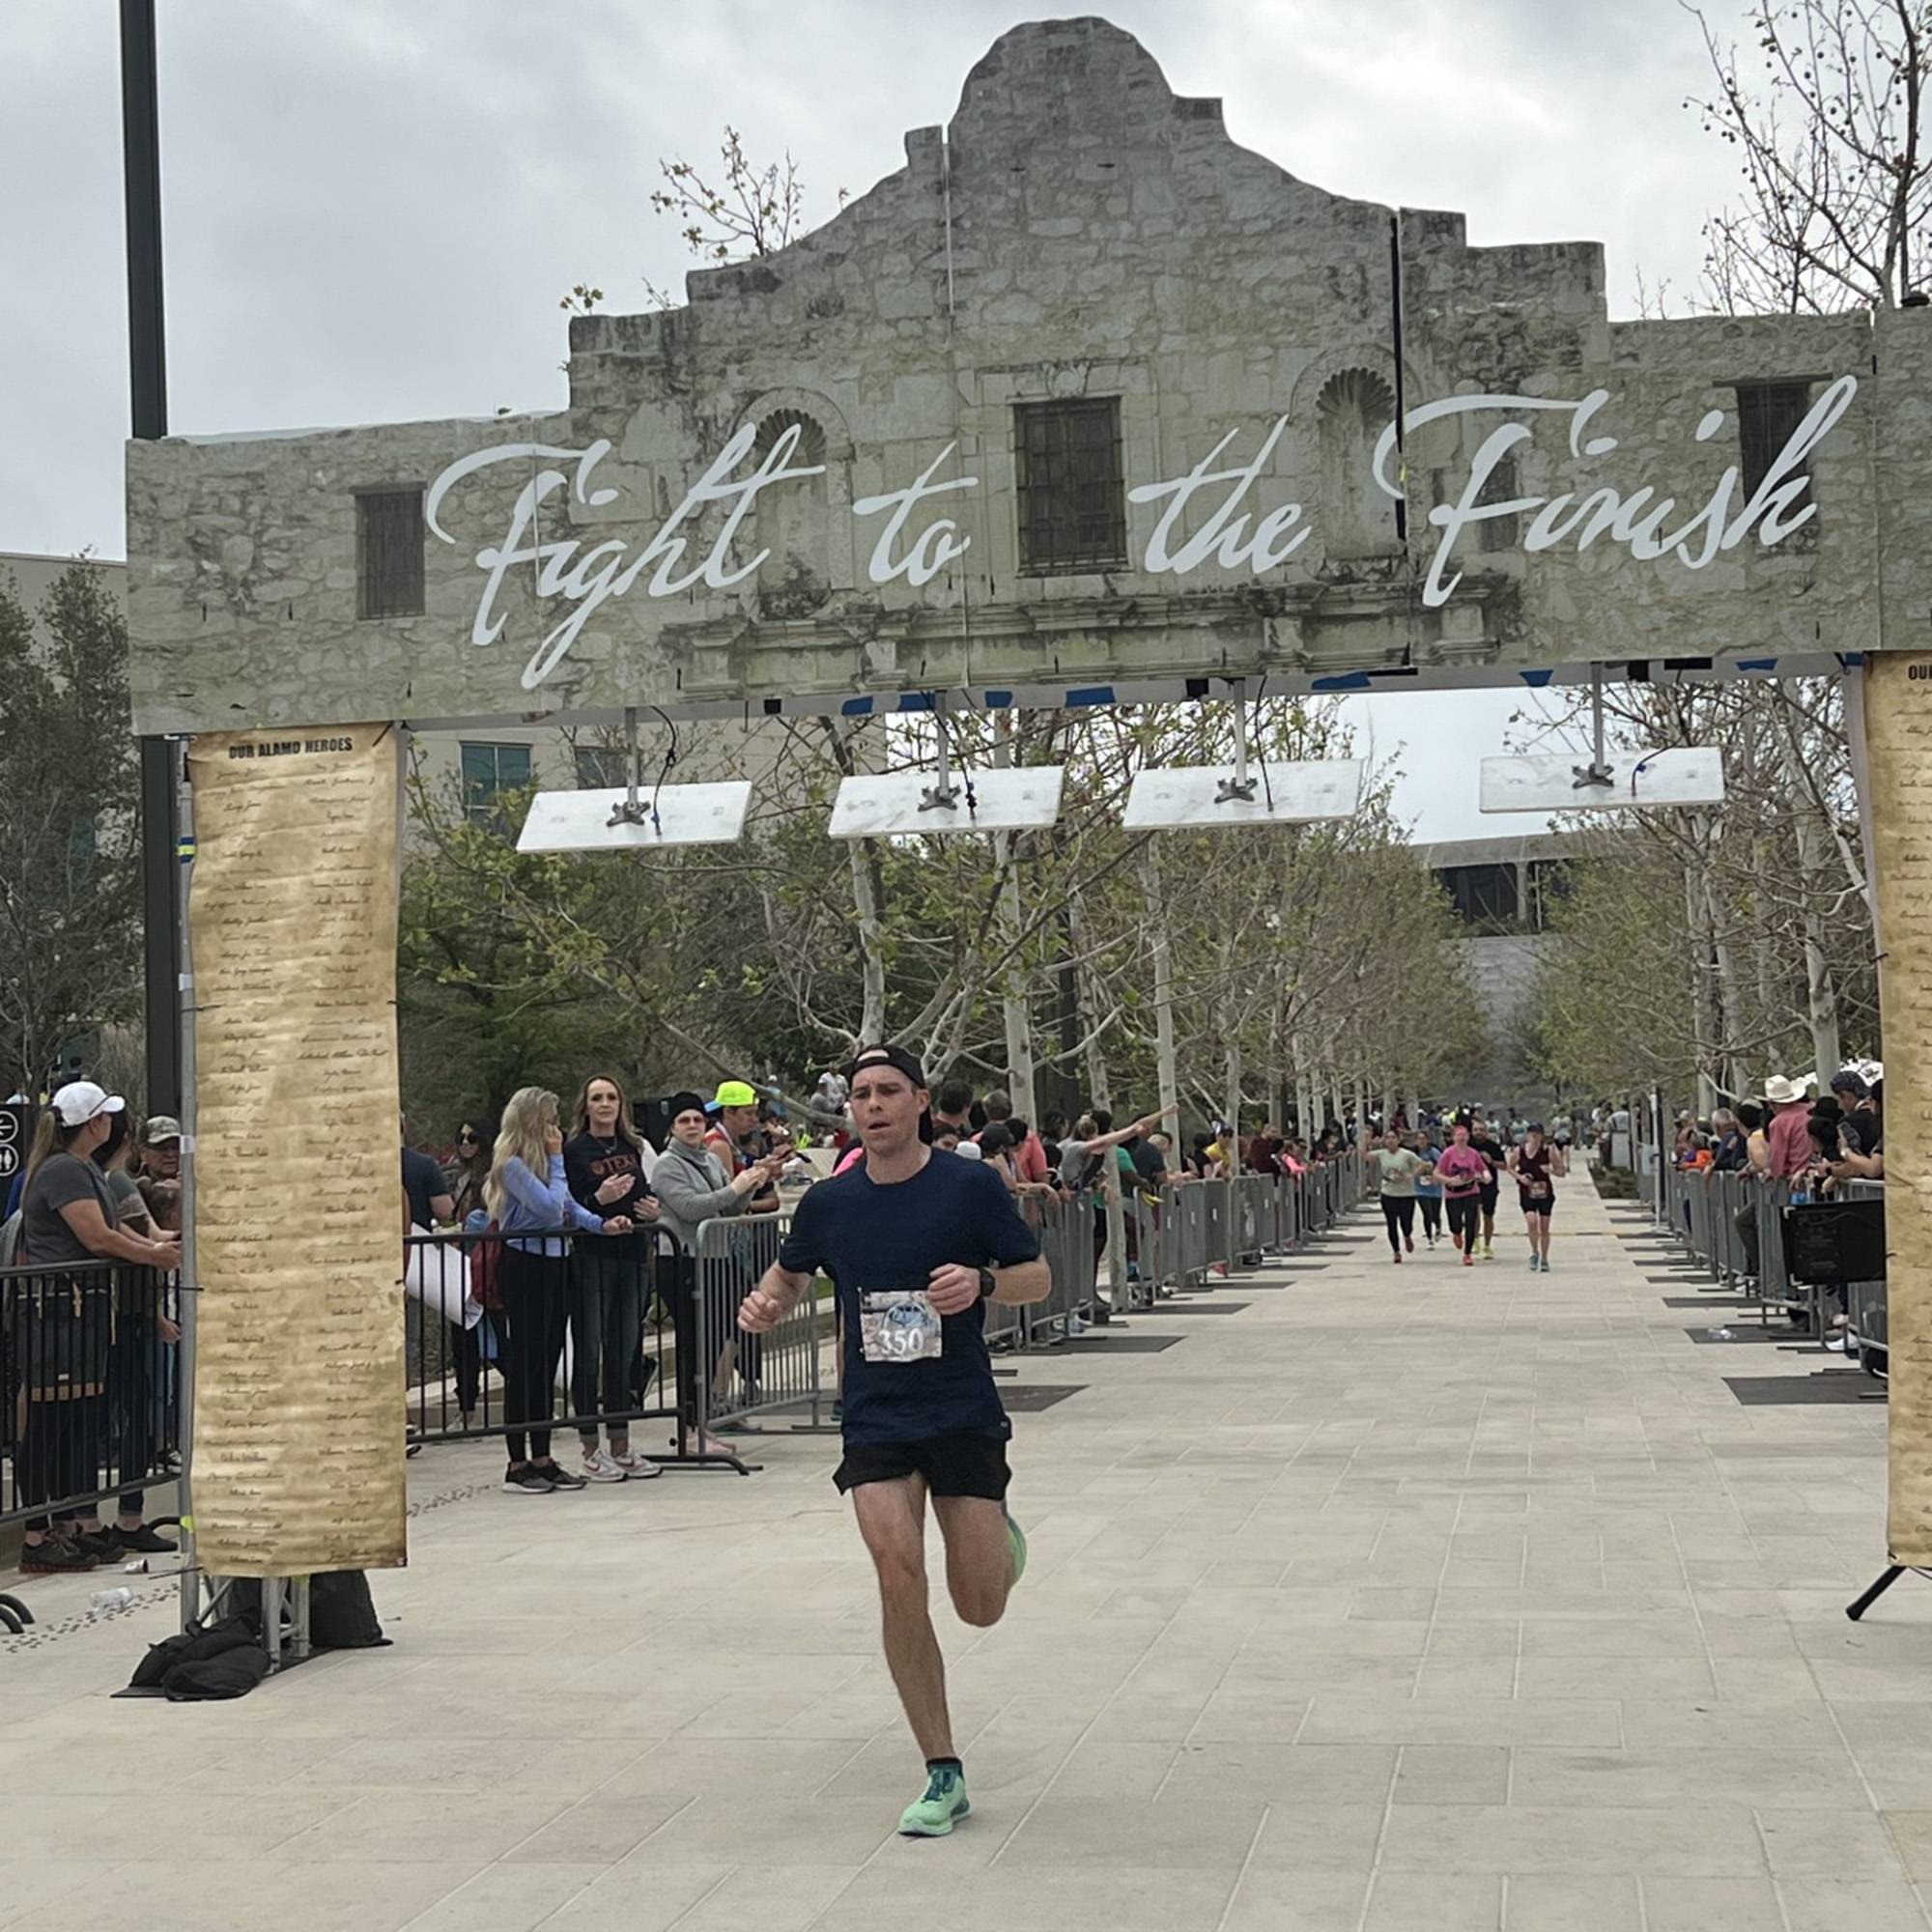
{"type": "Point", "coordinates": [529, 1203]}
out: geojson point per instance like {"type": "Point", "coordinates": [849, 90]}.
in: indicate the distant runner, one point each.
{"type": "Point", "coordinates": [1534, 1164]}
{"type": "Point", "coordinates": [1463, 1172]}
{"type": "Point", "coordinates": [1397, 1168]}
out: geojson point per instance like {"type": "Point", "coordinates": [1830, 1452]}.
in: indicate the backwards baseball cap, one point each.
{"type": "Point", "coordinates": [161, 1128]}
{"type": "Point", "coordinates": [735, 1094]}
{"type": "Point", "coordinates": [81, 1101]}
{"type": "Point", "coordinates": [886, 1056]}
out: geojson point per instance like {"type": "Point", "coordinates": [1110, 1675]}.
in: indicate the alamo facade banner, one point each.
{"type": "Point", "coordinates": [1086, 402]}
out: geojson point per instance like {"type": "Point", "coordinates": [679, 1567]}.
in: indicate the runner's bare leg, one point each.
{"type": "Point", "coordinates": [978, 1556]}
{"type": "Point", "coordinates": [892, 1519]}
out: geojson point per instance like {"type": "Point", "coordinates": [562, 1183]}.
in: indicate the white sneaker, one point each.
{"type": "Point", "coordinates": [598, 1468]}
{"type": "Point", "coordinates": [1074, 1325]}
{"type": "Point", "coordinates": [629, 1466]}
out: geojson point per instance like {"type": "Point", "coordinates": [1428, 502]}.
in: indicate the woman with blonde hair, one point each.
{"type": "Point", "coordinates": [531, 1204]}
{"type": "Point", "coordinates": [606, 1165]}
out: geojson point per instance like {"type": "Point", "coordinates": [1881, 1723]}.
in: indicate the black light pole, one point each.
{"type": "Point", "coordinates": [148, 374]}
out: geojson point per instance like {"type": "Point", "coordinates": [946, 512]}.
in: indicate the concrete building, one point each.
{"type": "Point", "coordinates": [1084, 401]}
{"type": "Point", "coordinates": [1503, 890]}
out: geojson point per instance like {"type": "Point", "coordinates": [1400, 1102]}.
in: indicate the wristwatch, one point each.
{"type": "Point", "coordinates": [988, 1282]}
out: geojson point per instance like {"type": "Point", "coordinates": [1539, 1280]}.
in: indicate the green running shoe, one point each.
{"type": "Point", "coordinates": [1016, 1538]}
{"type": "Point", "coordinates": [944, 1804]}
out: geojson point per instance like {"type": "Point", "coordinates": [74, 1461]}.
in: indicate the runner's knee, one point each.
{"type": "Point", "coordinates": [978, 1601]}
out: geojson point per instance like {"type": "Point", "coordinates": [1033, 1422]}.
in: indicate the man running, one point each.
{"type": "Point", "coordinates": [916, 1245]}
{"type": "Point", "coordinates": [1490, 1149]}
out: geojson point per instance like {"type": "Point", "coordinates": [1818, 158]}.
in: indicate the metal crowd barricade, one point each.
{"type": "Point", "coordinates": [1867, 1342]}
{"type": "Point", "coordinates": [740, 1381]}
{"type": "Point", "coordinates": [90, 1389]}
{"type": "Point", "coordinates": [460, 1341]}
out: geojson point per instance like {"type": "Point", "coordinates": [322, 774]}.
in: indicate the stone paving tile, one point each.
{"type": "Point", "coordinates": [1516, 1621]}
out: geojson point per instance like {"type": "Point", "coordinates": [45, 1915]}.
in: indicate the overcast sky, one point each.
{"type": "Point", "coordinates": [373, 205]}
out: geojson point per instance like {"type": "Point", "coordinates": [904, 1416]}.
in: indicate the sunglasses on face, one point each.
{"type": "Point", "coordinates": [466, 1135]}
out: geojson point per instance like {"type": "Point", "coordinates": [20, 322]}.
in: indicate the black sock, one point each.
{"type": "Point", "coordinates": [945, 1764]}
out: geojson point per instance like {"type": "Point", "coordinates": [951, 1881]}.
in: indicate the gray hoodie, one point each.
{"type": "Point", "coordinates": [692, 1189]}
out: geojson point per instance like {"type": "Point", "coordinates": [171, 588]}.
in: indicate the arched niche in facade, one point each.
{"type": "Point", "coordinates": [805, 527]}
{"type": "Point", "coordinates": [1357, 515]}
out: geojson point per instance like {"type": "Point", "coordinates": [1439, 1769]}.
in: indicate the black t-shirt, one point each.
{"type": "Point", "coordinates": [1491, 1150]}
{"type": "Point", "coordinates": [591, 1159]}
{"type": "Point", "coordinates": [872, 1237]}
{"type": "Point", "coordinates": [1149, 1163]}
{"type": "Point", "coordinates": [1864, 1130]}
{"type": "Point", "coordinates": [422, 1182]}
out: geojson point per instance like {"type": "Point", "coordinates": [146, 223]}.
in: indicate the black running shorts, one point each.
{"type": "Point", "coordinates": [966, 1464]}
{"type": "Point", "coordinates": [1488, 1196]}
{"type": "Point", "coordinates": [1546, 1207]}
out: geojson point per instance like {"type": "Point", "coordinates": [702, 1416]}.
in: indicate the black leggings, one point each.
{"type": "Point", "coordinates": [606, 1333]}
{"type": "Point", "coordinates": [536, 1305]}
{"type": "Point", "coordinates": [1431, 1213]}
{"type": "Point", "coordinates": [1399, 1211]}
{"type": "Point", "coordinates": [1465, 1219]}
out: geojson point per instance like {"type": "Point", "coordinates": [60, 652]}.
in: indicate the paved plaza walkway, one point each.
{"type": "Point", "coordinates": [1361, 1597]}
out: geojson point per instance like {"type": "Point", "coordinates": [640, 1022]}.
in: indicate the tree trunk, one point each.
{"type": "Point", "coordinates": [1167, 1071]}
{"type": "Point", "coordinates": [1703, 991]}
{"type": "Point", "coordinates": [871, 944]}
{"type": "Point", "coordinates": [1015, 1006]}
{"type": "Point", "coordinates": [1821, 993]}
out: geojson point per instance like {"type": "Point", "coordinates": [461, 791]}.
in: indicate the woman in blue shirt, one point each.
{"type": "Point", "coordinates": [527, 1192]}
{"type": "Point", "coordinates": [1428, 1192]}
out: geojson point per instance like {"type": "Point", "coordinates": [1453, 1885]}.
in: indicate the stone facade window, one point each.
{"type": "Point", "coordinates": [1072, 495]}
{"type": "Point", "coordinates": [390, 553]}
{"type": "Point", "coordinates": [489, 771]}
{"type": "Point", "coordinates": [1768, 416]}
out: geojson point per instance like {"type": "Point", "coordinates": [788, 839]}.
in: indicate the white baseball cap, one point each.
{"type": "Point", "coordinates": [80, 1100]}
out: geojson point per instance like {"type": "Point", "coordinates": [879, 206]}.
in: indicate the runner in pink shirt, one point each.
{"type": "Point", "coordinates": [1464, 1174]}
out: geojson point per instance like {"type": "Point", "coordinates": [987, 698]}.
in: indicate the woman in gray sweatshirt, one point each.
{"type": "Point", "coordinates": [692, 1189]}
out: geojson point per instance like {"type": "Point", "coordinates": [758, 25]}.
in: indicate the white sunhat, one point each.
{"type": "Point", "coordinates": [80, 1100]}
{"type": "Point", "coordinates": [1781, 1092]}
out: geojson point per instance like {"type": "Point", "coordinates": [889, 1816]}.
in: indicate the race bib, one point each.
{"type": "Point", "coordinates": [899, 1325]}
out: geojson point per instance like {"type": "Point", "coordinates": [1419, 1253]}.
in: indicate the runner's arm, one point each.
{"type": "Point", "coordinates": [1020, 1283]}
{"type": "Point", "coordinates": [776, 1295]}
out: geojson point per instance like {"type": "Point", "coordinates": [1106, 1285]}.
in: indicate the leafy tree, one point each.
{"type": "Point", "coordinates": [69, 834]}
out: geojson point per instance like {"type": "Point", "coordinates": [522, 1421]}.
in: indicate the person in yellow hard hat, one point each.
{"type": "Point", "coordinates": [739, 1139]}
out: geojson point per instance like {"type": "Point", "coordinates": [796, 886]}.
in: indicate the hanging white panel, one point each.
{"type": "Point", "coordinates": [685, 814]}
{"type": "Point", "coordinates": [1023, 798]}
{"type": "Point", "coordinates": [1188, 798]}
{"type": "Point", "coordinates": [1688, 775]}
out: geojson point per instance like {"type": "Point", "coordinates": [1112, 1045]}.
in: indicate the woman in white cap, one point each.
{"type": "Point", "coordinates": [68, 1221]}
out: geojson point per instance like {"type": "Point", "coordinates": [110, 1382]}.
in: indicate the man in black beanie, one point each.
{"type": "Point", "coordinates": [916, 1245]}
